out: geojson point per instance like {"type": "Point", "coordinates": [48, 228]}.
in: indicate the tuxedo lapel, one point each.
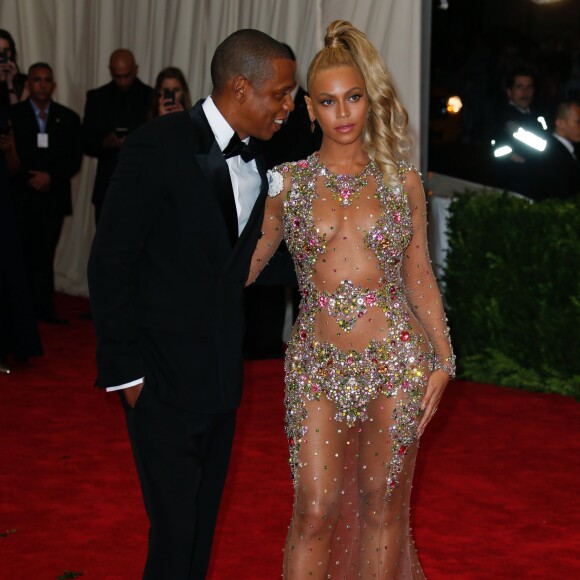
{"type": "Point", "coordinates": [216, 171]}
{"type": "Point", "coordinates": [261, 165]}
{"type": "Point", "coordinates": [53, 119]}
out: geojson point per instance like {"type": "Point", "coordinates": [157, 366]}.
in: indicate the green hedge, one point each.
{"type": "Point", "coordinates": [512, 288]}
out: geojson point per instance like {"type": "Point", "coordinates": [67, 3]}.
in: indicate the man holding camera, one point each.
{"type": "Point", "coordinates": [48, 141]}
{"type": "Point", "coordinates": [111, 113]}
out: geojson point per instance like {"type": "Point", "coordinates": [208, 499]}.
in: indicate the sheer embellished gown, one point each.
{"type": "Point", "coordinates": [370, 330]}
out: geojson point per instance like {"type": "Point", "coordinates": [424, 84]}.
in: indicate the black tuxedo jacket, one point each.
{"type": "Point", "coordinates": [560, 172]}
{"type": "Point", "coordinates": [167, 271]}
{"type": "Point", "coordinates": [106, 109]}
{"type": "Point", "coordinates": [295, 140]}
{"type": "Point", "coordinates": [62, 159]}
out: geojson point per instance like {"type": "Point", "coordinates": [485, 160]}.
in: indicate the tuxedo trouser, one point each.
{"type": "Point", "coordinates": [182, 460]}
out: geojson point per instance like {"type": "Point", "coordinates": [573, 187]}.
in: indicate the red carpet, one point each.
{"type": "Point", "coordinates": [496, 493]}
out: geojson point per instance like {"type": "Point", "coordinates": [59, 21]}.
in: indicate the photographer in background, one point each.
{"type": "Point", "coordinates": [516, 158]}
{"type": "Point", "coordinates": [12, 81]}
{"type": "Point", "coordinates": [111, 113]}
{"type": "Point", "coordinates": [171, 93]}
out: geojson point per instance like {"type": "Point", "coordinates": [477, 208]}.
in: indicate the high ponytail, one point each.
{"type": "Point", "coordinates": [385, 139]}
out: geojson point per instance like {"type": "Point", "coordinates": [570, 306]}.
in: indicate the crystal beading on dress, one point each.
{"type": "Point", "coordinates": [364, 275]}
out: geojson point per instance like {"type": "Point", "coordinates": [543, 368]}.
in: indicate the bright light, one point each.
{"type": "Point", "coordinates": [542, 122]}
{"type": "Point", "coordinates": [546, 1]}
{"type": "Point", "coordinates": [502, 151]}
{"type": "Point", "coordinates": [530, 139]}
{"type": "Point", "coordinates": [454, 104]}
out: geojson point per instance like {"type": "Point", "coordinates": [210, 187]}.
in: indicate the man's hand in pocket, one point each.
{"type": "Point", "coordinates": [132, 394]}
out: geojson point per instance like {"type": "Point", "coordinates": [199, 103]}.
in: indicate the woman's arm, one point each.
{"type": "Point", "coordinates": [272, 227]}
{"type": "Point", "coordinates": [424, 297]}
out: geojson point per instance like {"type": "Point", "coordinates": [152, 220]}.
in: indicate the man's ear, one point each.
{"type": "Point", "coordinates": [240, 88]}
{"type": "Point", "coordinates": [308, 102]}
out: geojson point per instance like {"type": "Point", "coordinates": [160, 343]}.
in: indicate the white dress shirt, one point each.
{"type": "Point", "coordinates": [245, 178]}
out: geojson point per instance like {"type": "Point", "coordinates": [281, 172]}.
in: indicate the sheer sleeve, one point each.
{"type": "Point", "coordinates": [419, 280]}
{"type": "Point", "coordinates": [272, 227]}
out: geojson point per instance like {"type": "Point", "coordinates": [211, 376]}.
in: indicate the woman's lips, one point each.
{"type": "Point", "coordinates": [344, 128]}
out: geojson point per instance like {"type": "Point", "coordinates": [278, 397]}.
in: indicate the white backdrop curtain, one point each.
{"type": "Point", "coordinates": [77, 36]}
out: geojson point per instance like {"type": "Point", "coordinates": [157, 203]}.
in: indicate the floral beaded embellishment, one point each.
{"type": "Point", "coordinates": [275, 182]}
{"type": "Point", "coordinates": [347, 303]}
{"type": "Point", "coordinates": [345, 188]}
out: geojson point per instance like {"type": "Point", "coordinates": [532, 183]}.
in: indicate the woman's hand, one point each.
{"type": "Point", "coordinates": [435, 389]}
{"type": "Point", "coordinates": [169, 106]}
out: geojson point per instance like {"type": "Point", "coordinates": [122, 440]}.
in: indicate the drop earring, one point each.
{"type": "Point", "coordinates": [312, 125]}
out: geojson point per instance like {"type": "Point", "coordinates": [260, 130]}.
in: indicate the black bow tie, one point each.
{"type": "Point", "coordinates": [237, 147]}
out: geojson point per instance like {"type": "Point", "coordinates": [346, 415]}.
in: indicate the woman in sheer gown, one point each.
{"type": "Point", "coordinates": [370, 355]}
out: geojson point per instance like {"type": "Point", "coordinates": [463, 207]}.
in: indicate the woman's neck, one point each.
{"type": "Point", "coordinates": [343, 159]}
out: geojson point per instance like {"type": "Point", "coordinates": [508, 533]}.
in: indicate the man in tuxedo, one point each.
{"type": "Point", "coordinates": [48, 141]}
{"type": "Point", "coordinates": [111, 113]}
{"type": "Point", "coordinates": [166, 275]}
{"type": "Point", "coordinates": [265, 306]}
{"type": "Point", "coordinates": [516, 169]}
{"type": "Point", "coordinates": [560, 167]}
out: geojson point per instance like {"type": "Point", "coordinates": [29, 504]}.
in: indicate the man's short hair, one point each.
{"type": "Point", "coordinates": [290, 51]}
{"type": "Point", "coordinates": [563, 108]}
{"type": "Point", "coordinates": [40, 65]}
{"type": "Point", "coordinates": [520, 71]}
{"type": "Point", "coordinates": [247, 52]}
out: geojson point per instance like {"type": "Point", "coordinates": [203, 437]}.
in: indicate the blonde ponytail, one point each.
{"type": "Point", "coordinates": [385, 139]}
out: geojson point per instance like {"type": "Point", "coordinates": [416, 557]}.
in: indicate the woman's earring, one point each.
{"type": "Point", "coordinates": [312, 125]}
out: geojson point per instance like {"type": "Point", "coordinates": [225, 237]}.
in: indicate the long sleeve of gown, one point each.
{"type": "Point", "coordinates": [419, 280]}
{"type": "Point", "coordinates": [272, 227]}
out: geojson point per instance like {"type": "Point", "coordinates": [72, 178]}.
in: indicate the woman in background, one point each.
{"type": "Point", "coordinates": [171, 92]}
{"type": "Point", "coordinates": [12, 81]}
{"type": "Point", "coordinates": [370, 355]}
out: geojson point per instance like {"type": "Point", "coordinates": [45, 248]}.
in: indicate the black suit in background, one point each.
{"type": "Point", "coordinates": [166, 277]}
{"type": "Point", "coordinates": [18, 328]}
{"type": "Point", "coordinates": [40, 214]}
{"type": "Point", "coordinates": [265, 306]}
{"type": "Point", "coordinates": [510, 174]}
{"type": "Point", "coordinates": [560, 172]}
{"type": "Point", "coordinates": [106, 109]}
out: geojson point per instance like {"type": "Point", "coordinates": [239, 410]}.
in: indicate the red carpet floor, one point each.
{"type": "Point", "coordinates": [496, 492]}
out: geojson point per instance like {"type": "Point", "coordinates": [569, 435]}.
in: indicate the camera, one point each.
{"type": "Point", "coordinates": [3, 56]}
{"type": "Point", "coordinates": [169, 95]}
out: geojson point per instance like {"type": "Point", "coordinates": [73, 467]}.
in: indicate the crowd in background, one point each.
{"type": "Point", "coordinates": [41, 148]}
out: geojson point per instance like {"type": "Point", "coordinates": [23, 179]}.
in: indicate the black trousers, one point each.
{"type": "Point", "coordinates": [39, 225]}
{"type": "Point", "coordinates": [182, 460]}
